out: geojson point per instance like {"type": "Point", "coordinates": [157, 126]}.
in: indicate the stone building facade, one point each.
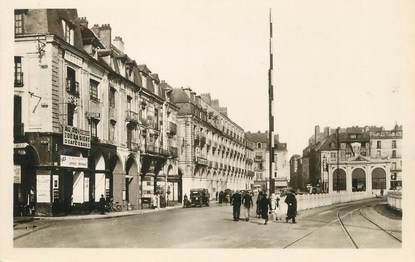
{"type": "Point", "coordinates": [88, 120]}
{"type": "Point", "coordinates": [281, 175]}
{"type": "Point", "coordinates": [213, 153]}
{"type": "Point", "coordinates": [353, 159]}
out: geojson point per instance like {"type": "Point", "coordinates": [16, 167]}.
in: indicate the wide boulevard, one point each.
{"type": "Point", "coordinates": [361, 224]}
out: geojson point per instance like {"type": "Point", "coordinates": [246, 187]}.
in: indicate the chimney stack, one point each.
{"type": "Point", "coordinates": [83, 22]}
{"type": "Point", "coordinates": [119, 43]}
{"type": "Point", "coordinates": [103, 33]}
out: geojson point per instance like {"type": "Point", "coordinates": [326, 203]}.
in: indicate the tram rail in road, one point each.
{"type": "Point", "coordinates": [340, 219]}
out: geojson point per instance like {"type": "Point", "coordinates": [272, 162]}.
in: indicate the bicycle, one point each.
{"type": "Point", "coordinates": [114, 207]}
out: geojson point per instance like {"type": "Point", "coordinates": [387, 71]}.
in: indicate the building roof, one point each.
{"type": "Point", "coordinates": [89, 37]}
{"type": "Point", "coordinates": [179, 95]}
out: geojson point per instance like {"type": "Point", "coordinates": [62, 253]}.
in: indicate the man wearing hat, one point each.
{"type": "Point", "coordinates": [292, 206]}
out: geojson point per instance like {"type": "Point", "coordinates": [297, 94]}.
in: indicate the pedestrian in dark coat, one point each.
{"type": "Point", "coordinates": [220, 197]}
{"type": "Point", "coordinates": [292, 207]}
{"type": "Point", "coordinates": [258, 209]}
{"type": "Point", "coordinates": [264, 206]}
{"type": "Point", "coordinates": [247, 203]}
{"type": "Point", "coordinates": [236, 203]}
{"type": "Point", "coordinates": [102, 204]}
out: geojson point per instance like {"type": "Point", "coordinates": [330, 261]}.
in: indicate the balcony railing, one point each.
{"type": "Point", "coordinates": [72, 87]}
{"type": "Point", "coordinates": [153, 149]}
{"type": "Point", "coordinates": [18, 79]}
{"type": "Point", "coordinates": [132, 146]}
{"type": "Point", "coordinates": [131, 116]}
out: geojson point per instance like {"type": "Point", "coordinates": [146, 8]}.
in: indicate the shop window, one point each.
{"type": "Point", "coordinates": [68, 32]}
{"type": "Point", "coordinates": [93, 90]}
{"type": "Point", "coordinates": [18, 23]}
{"type": "Point", "coordinates": [18, 72]}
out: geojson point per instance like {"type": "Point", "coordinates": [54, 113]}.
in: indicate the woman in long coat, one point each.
{"type": "Point", "coordinates": [264, 204]}
{"type": "Point", "coordinates": [292, 207]}
{"type": "Point", "coordinates": [258, 209]}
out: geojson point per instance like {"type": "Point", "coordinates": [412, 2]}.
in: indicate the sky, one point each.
{"type": "Point", "coordinates": [337, 63]}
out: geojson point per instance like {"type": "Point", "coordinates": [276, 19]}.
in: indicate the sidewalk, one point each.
{"type": "Point", "coordinates": [23, 226]}
{"type": "Point", "coordinates": [109, 214]}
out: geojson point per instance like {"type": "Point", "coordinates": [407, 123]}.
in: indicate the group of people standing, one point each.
{"type": "Point", "coordinates": [265, 206]}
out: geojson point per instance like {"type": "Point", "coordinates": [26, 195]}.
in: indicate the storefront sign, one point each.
{"type": "Point", "coordinates": [71, 57]}
{"type": "Point", "coordinates": [20, 145]}
{"type": "Point", "coordinates": [74, 161]}
{"type": "Point", "coordinates": [43, 188]}
{"type": "Point", "coordinates": [17, 174]}
{"type": "Point", "coordinates": [73, 136]}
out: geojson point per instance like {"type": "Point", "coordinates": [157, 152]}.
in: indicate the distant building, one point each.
{"type": "Point", "coordinates": [259, 142]}
{"type": "Point", "coordinates": [387, 144]}
{"type": "Point", "coordinates": [353, 159]}
{"type": "Point", "coordinates": [213, 151]}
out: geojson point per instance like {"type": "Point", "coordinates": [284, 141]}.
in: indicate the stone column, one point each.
{"type": "Point", "coordinates": [368, 179]}
{"type": "Point", "coordinates": [349, 179]}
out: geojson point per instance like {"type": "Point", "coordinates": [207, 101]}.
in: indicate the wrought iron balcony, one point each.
{"type": "Point", "coordinates": [131, 116]}
{"type": "Point", "coordinates": [72, 87]}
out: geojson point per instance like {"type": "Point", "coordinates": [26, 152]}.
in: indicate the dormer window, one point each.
{"type": "Point", "coordinates": [68, 32]}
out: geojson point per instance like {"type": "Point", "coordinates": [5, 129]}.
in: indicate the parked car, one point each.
{"type": "Point", "coordinates": [199, 197]}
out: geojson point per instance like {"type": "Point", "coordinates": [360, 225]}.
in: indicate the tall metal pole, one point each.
{"type": "Point", "coordinates": [271, 106]}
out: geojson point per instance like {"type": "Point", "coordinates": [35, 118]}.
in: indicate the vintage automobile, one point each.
{"type": "Point", "coordinates": [199, 197]}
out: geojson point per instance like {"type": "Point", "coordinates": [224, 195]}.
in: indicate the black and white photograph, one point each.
{"type": "Point", "coordinates": [200, 126]}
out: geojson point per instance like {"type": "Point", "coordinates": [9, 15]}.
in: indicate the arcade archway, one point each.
{"type": "Point", "coordinates": [358, 180]}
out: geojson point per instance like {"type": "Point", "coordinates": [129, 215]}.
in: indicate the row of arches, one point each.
{"type": "Point", "coordinates": [359, 179]}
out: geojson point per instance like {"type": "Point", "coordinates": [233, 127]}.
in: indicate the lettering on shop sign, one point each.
{"type": "Point", "coordinates": [71, 57]}
{"type": "Point", "coordinates": [74, 161]}
{"type": "Point", "coordinates": [73, 136]}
